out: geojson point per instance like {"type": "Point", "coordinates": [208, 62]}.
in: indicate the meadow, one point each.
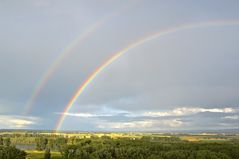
{"type": "Point", "coordinates": [33, 154]}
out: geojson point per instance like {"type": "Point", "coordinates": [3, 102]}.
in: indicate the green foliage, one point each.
{"type": "Point", "coordinates": [41, 143]}
{"type": "Point", "coordinates": [9, 152]}
{"type": "Point", "coordinates": [7, 142]}
{"type": "Point", "coordinates": [60, 144]}
{"type": "Point", "coordinates": [1, 141]}
{"type": "Point", "coordinates": [145, 146]}
{"type": "Point", "coordinates": [144, 149]}
{"type": "Point", "coordinates": [47, 154]}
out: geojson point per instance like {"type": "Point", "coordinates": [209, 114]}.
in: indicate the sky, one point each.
{"type": "Point", "coordinates": [185, 80]}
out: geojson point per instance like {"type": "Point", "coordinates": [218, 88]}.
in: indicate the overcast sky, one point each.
{"type": "Point", "coordinates": [183, 81]}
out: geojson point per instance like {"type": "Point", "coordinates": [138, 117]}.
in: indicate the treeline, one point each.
{"type": "Point", "coordinates": [140, 149]}
{"type": "Point", "coordinates": [27, 138]}
{"type": "Point", "coordinates": [104, 147]}
{"type": "Point", "coordinates": [55, 143]}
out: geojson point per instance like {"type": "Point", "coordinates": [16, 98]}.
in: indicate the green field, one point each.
{"type": "Point", "coordinates": [40, 155]}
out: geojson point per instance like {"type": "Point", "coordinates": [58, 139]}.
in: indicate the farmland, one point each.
{"type": "Point", "coordinates": [74, 145]}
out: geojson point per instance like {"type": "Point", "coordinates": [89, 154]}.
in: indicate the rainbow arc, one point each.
{"type": "Point", "coordinates": [131, 46]}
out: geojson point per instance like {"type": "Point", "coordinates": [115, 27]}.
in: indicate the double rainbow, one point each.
{"type": "Point", "coordinates": [68, 51]}
{"type": "Point", "coordinates": [133, 45]}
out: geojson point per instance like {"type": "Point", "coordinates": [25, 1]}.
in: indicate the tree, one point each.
{"type": "Point", "coordinates": [41, 143]}
{"type": "Point", "coordinates": [47, 154]}
{"type": "Point", "coordinates": [9, 152]}
{"type": "Point", "coordinates": [1, 141]}
{"type": "Point", "coordinates": [7, 142]}
{"type": "Point", "coordinates": [61, 144]}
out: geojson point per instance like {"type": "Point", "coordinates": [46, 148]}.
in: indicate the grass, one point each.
{"type": "Point", "coordinates": [40, 155]}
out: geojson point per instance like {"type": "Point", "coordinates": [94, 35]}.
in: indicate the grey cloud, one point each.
{"type": "Point", "coordinates": [17, 122]}
{"type": "Point", "coordinates": [189, 68]}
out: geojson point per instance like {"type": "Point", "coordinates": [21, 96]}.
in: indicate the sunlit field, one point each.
{"type": "Point", "coordinates": [33, 154]}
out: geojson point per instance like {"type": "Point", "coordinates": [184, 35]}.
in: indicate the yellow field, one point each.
{"type": "Point", "coordinates": [202, 138]}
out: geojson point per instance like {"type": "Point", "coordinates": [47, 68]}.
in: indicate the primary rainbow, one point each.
{"type": "Point", "coordinates": [133, 45]}
{"type": "Point", "coordinates": [66, 52]}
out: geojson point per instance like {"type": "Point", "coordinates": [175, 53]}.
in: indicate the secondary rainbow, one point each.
{"type": "Point", "coordinates": [67, 52]}
{"type": "Point", "coordinates": [56, 63]}
{"type": "Point", "coordinates": [133, 45]}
